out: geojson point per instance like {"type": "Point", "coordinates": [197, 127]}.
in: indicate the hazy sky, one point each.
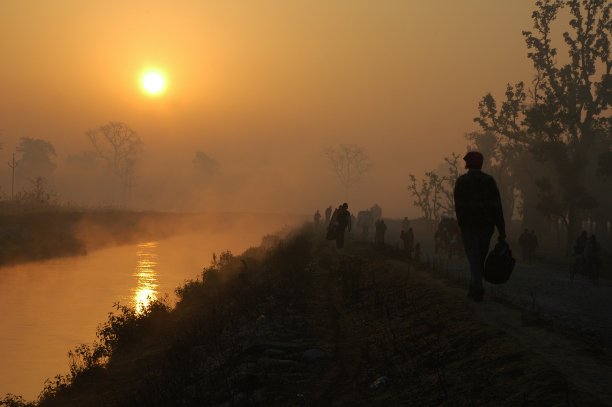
{"type": "Point", "coordinates": [261, 86]}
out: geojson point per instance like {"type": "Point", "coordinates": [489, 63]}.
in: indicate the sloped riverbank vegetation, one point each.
{"type": "Point", "coordinates": [295, 322]}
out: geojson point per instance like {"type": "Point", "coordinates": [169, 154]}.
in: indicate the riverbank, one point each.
{"type": "Point", "coordinates": [48, 233]}
{"type": "Point", "coordinates": [29, 234]}
{"type": "Point", "coordinates": [294, 322]}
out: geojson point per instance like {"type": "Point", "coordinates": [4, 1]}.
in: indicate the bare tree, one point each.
{"type": "Point", "coordinates": [452, 166]}
{"type": "Point", "coordinates": [120, 147]}
{"type": "Point", "coordinates": [434, 194]}
{"type": "Point", "coordinates": [350, 163]}
{"type": "Point", "coordinates": [38, 194]}
{"type": "Point", "coordinates": [205, 167]}
{"type": "Point", "coordinates": [426, 194]}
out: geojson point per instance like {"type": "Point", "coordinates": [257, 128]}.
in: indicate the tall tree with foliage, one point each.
{"type": "Point", "coordinates": [35, 158]}
{"type": "Point", "coordinates": [565, 118]}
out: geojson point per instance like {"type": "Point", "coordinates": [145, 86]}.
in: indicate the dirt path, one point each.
{"type": "Point", "coordinates": [587, 366]}
{"type": "Point", "coordinates": [400, 336]}
{"type": "Point", "coordinates": [540, 325]}
{"type": "Point", "coordinates": [578, 306]}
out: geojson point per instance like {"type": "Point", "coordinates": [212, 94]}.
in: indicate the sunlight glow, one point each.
{"type": "Point", "coordinates": [153, 82]}
{"type": "Point", "coordinates": [146, 275]}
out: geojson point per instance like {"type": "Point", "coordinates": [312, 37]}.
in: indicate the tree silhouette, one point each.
{"type": "Point", "coordinates": [38, 194]}
{"type": "Point", "coordinates": [35, 158]}
{"type": "Point", "coordinates": [204, 166]}
{"type": "Point", "coordinates": [565, 119]}
{"type": "Point", "coordinates": [350, 163]}
{"type": "Point", "coordinates": [434, 194]}
{"type": "Point", "coordinates": [120, 147]}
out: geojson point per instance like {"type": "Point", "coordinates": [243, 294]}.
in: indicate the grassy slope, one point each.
{"type": "Point", "coordinates": [299, 324]}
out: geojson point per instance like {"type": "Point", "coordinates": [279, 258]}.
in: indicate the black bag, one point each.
{"type": "Point", "coordinates": [499, 264]}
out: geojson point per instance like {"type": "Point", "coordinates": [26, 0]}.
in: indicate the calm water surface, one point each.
{"type": "Point", "coordinates": [48, 308]}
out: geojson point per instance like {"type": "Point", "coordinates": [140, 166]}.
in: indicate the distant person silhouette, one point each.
{"type": "Point", "coordinates": [328, 212]}
{"type": "Point", "coordinates": [405, 224]}
{"type": "Point", "coordinates": [479, 210]}
{"type": "Point", "coordinates": [364, 220]}
{"type": "Point", "coordinates": [592, 256]}
{"type": "Point", "coordinates": [381, 228]}
{"type": "Point", "coordinates": [579, 249]}
{"type": "Point", "coordinates": [408, 239]}
{"type": "Point", "coordinates": [317, 218]}
{"type": "Point", "coordinates": [580, 243]}
{"type": "Point", "coordinates": [342, 220]}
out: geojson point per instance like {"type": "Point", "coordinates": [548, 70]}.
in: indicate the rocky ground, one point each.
{"type": "Point", "coordinates": [308, 325]}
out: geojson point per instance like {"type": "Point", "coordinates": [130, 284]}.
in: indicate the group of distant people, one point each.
{"type": "Point", "coordinates": [478, 211]}
{"type": "Point", "coordinates": [340, 220]}
{"type": "Point", "coordinates": [529, 245]}
{"type": "Point", "coordinates": [337, 223]}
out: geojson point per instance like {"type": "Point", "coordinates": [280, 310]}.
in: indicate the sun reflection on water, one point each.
{"type": "Point", "coordinates": [146, 275]}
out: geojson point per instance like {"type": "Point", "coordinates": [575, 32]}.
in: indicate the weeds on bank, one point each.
{"type": "Point", "coordinates": [122, 327]}
{"type": "Point", "coordinates": [12, 400]}
{"type": "Point", "coordinates": [219, 320]}
{"type": "Point", "coordinates": [225, 298]}
{"type": "Point", "coordinates": [201, 343]}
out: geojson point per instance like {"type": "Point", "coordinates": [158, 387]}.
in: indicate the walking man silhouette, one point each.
{"type": "Point", "coordinates": [479, 210]}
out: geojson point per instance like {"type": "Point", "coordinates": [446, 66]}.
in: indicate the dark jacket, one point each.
{"type": "Point", "coordinates": [478, 204]}
{"type": "Point", "coordinates": [343, 218]}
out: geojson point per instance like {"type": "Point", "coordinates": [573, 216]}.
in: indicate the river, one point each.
{"type": "Point", "coordinates": [48, 308]}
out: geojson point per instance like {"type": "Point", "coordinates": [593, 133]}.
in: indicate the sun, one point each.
{"type": "Point", "coordinates": [153, 82]}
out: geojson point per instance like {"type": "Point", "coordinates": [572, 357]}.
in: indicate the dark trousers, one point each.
{"type": "Point", "coordinates": [340, 237]}
{"type": "Point", "coordinates": [476, 245]}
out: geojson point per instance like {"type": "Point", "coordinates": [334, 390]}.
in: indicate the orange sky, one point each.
{"type": "Point", "coordinates": [262, 86]}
